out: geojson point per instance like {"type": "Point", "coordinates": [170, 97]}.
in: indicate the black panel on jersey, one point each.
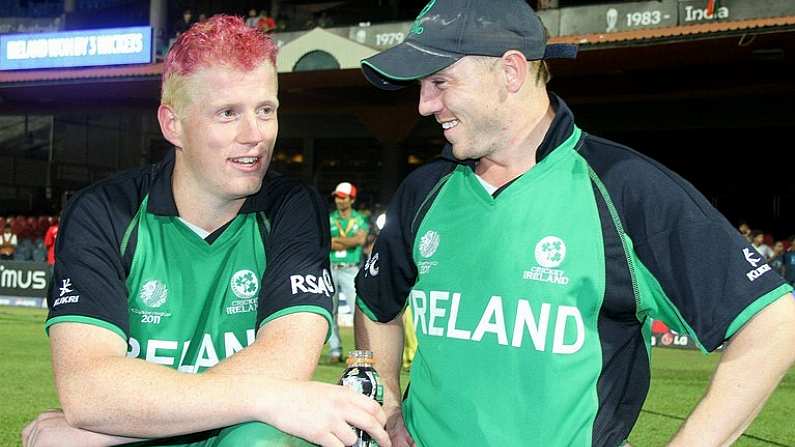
{"type": "Point", "coordinates": [385, 293]}
{"type": "Point", "coordinates": [299, 243]}
{"type": "Point", "coordinates": [88, 244]}
{"type": "Point", "coordinates": [690, 248]}
{"type": "Point", "coordinates": [161, 194]}
{"type": "Point", "coordinates": [559, 130]}
{"type": "Point", "coordinates": [624, 380]}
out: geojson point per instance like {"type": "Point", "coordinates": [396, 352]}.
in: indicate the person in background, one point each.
{"type": "Point", "coordinates": [8, 243]}
{"type": "Point", "coordinates": [265, 22]}
{"type": "Point", "coordinates": [251, 20]}
{"type": "Point", "coordinates": [789, 261]}
{"type": "Point", "coordinates": [49, 240]}
{"type": "Point", "coordinates": [349, 230]}
{"type": "Point", "coordinates": [777, 260]}
{"type": "Point", "coordinates": [409, 339]}
{"type": "Point", "coordinates": [758, 241]}
{"type": "Point", "coordinates": [745, 230]}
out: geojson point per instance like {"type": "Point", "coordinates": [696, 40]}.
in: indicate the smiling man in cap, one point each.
{"type": "Point", "coordinates": [534, 257]}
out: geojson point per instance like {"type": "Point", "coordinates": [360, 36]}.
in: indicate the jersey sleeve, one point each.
{"type": "Point", "coordinates": [701, 275]}
{"type": "Point", "coordinates": [384, 283]}
{"type": "Point", "coordinates": [297, 277]}
{"type": "Point", "coordinates": [88, 283]}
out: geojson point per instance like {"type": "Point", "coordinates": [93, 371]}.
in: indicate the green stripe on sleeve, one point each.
{"type": "Point", "coordinates": [298, 309]}
{"type": "Point", "coordinates": [366, 310]}
{"type": "Point", "coordinates": [755, 307]}
{"type": "Point", "coordinates": [84, 320]}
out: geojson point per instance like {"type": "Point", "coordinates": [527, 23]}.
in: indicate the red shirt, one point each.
{"type": "Point", "coordinates": [49, 242]}
{"type": "Point", "coordinates": [266, 23]}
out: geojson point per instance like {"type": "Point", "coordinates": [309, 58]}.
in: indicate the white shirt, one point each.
{"type": "Point", "coordinates": [764, 250]}
{"type": "Point", "coordinates": [486, 185]}
{"type": "Point", "coordinates": [9, 237]}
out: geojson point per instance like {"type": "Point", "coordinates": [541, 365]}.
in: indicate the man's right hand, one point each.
{"type": "Point", "coordinates": [50, 428]}
{"type": "Point", "coordinates": [325, 414]}
{"type": "Point", "coordinates": [396, 428]}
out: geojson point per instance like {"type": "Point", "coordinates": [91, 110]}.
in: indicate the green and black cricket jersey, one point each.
{"type": "Point", "coordinates": [127, 263]}
{"type": "Point", "coordinates": [341, 227]}
{"type": "Point", "coordinates": [532, 306]}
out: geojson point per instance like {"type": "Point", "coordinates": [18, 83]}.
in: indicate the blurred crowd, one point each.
{"type": "Point", "coordinates": [261, 19]}
{"type": "Point", "coordinates": [28, 238]}
{"type": "Point", "coordinates": [780, 254]}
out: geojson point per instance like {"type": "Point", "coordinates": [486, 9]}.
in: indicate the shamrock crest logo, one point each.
{"type": "Point", "coordinates": [550, 252]}
{"type": "Point", "coordinates": [244, 284]}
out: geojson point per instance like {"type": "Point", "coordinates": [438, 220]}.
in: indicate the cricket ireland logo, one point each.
{"type": "Point", "coordinates": [244, 284]}
{"type": "Point", "coordinates": [550, 252]}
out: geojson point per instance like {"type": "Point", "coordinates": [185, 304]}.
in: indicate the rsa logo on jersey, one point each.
{"type": "Point", "coordinates": [24, 279]}
{"type": "Point", "coordinates": [320, 285]}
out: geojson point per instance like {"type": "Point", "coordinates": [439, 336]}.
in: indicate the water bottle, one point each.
{"type": "Point", "coordinates": [361, 377]}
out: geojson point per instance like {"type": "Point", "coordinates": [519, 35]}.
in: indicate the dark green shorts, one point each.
{"type": "Point", "coordinates": [251, 434]}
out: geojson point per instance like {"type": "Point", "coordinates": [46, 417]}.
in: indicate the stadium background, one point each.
{"type": "Point", "coordinates": [704, 86]}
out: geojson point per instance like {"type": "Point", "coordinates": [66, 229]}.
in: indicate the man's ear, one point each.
{"type": "Point", "coordinates": [515, 69]}
{"type": "Point", "coordinates": [170, 125]}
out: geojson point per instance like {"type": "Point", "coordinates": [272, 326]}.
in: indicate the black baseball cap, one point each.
{"type": "Point", "coordinates": [447, 30]}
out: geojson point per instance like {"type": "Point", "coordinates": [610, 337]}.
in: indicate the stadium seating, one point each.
{"type": "Point", "coordinates": [30, 232]}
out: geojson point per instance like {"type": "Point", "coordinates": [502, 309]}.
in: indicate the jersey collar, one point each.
{"type": "Point", "coordinates": [560, 129]}
{"type": "Point", "coordinates": [161, 194]}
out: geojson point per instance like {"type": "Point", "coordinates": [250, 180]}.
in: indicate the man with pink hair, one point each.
{"type": "Point", "coordinates": [191, 298]}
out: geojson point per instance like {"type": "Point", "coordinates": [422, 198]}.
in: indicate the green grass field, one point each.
{"type": "Point", "coordinates": [679, 378]}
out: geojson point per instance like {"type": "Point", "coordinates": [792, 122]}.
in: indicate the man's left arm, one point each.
{"type": "Point", "coordinates": [288, 348]}
{"type": "Point", "coordinates": [701, 277]}
{"type": "Point", "coordinates": [294, 310]}
{"type": "Point", "coordinates": [756, 359]}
